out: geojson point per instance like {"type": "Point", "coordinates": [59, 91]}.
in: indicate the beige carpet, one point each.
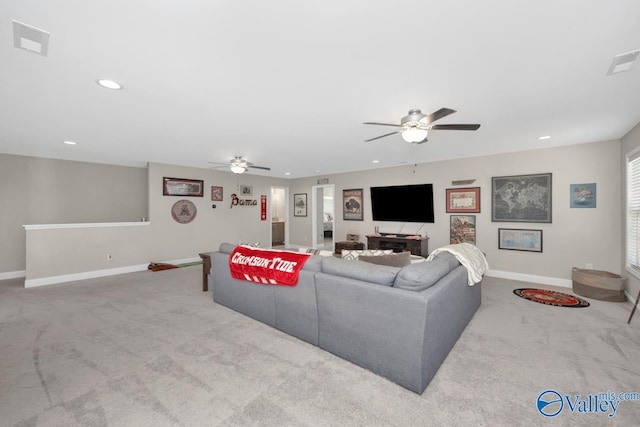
{"type": "Point", "coordinates": [151, 349]}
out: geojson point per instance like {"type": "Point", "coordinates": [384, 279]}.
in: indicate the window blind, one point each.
{"type": "Point", "coordinates": [633, 211]}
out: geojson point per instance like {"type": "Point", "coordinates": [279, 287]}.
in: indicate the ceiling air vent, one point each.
{"type": "Point", "coordinates": [30, 38]}
{"type": "Point", "coordinates": [623, 62]}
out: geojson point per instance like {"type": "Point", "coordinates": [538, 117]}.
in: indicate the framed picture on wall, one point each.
{"type": "Point", "coordinates": [352, 205]}
{"type": "Point", "coordinates": [182, 187]}
{"type": "Point", "coordinates": [300, 204]}
{"type": "Point", "coordinates": [462, 229]}
{"type": "Point", "coordinates": [463, 200]}
{"type": "Point", "coordinates": [521, 198]}
{"type": "Point", "coordinates": [582, 195]}
{"type": "Point", "coordinates": [520, 240]}
{"type": "Point", "coordinates": [216, 193]}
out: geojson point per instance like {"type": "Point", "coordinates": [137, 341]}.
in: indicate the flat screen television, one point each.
{"type": "Point", "coordinates": [403, 203]}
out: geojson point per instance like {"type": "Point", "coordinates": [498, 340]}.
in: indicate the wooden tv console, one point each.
{"type": "Point", "coordinates": [400, 242]}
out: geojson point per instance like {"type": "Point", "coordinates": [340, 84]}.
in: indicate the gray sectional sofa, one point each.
{"type": "Point", "coordinates": [399, 323]}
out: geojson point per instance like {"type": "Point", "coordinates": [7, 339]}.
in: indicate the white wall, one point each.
{"type": "Point", "coordinates": [68, 252]}
{"type": "Point", "coordinates": [45, 191]}
{"type": "Point", "coordinates": [574, 238]}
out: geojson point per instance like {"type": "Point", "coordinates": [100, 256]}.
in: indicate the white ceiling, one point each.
{"type": "Point", "coordinates": [287, 84]}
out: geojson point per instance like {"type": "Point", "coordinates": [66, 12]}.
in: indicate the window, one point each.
{"type": "Point", "coordinates": [633, 211]}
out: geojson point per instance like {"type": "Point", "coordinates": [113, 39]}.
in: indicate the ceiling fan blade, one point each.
{"type": "Point", "coordinates": [455, 127]}
{"type": "Point", "coordinates": [437, 115]}
{"type": "Point", "coordinates": [381, 136]}
{"type": "Point", "coordinates": [258, 167]}
{"type": "Point", "coordinates": [219, 163]}
{"type": "Point", "coordinates": [381, 124]}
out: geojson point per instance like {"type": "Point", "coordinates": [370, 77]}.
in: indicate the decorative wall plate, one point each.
{"type": "Point", "coordinates": [183, 211]}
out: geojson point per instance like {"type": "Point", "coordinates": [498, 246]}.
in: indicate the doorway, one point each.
{"type": "Point", "coordinates": [323, 217]}
{"type": "Point", "coordinates": [279, 210]}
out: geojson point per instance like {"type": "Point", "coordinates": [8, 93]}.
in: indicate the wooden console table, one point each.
{"type": "Point", "coordinates": [206, 269]}
{"type": "Point", "coordinates": [399, 243]}
{"type": "Point", "coordinates": [353, 246]}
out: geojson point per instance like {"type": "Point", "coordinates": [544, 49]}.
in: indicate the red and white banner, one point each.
{"type": "Point", "coordinates": [263, 207]}
{"type": "Point", "coordinates": [266, 266]}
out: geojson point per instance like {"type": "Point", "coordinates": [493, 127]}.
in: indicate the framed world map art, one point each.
{"type": "Point", "coordinates": [521, 198]}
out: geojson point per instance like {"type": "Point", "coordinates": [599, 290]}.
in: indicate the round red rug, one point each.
{"type": "Point", "coordinates": [544, 296]}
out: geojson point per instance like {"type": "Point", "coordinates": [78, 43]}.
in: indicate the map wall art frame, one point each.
{"type": "Point", "coordinates": [515, 239]}
{"type": "Point", "coordinates": [521, 198]}
{"type": "Point", "coordinates": [463, 200]}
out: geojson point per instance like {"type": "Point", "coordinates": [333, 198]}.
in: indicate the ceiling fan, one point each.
{"type": "Point", "coordinates": [415, 126]}
{"type": "Point", "coordinates": [239, 165]}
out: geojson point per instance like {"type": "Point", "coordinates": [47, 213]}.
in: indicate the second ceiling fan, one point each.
{"type": "Point", "coordinates": [415, 126]}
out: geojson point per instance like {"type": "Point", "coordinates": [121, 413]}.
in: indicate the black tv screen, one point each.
{"type": "Point", "coordinates": [403, 203]}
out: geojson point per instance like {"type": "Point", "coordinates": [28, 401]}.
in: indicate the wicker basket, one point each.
{"type": "Point", "coordinates": [598, 284]}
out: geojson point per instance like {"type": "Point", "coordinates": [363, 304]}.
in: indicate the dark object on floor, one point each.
{"type": "Point", "coordinates": [598, 284]}
{"type": "Point", "coordinates": [635, 304]}
{"type": "Point", "coordinates": [544, 296]}
{"type": "Point", "coordinates": [159, 266]}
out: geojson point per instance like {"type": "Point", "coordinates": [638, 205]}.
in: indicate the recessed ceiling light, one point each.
{"type": "Point", "coordinates": [375, 161]}
{"type": "Point", "coordinates": [70, 142]}
{"type": "Point", "coordinates": [109, 84]}
{"type": "Point", "coordinates": [287, 173]}
{"type": "Point", "coordinates": [542, 138]}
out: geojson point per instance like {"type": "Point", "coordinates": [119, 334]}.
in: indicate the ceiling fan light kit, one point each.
{"type": "Point", "coordinates": [239, 165]}
{"type": "Point", "coordinates": [415, 126]}
{"type": "Point", "coordinates": [415, 135]}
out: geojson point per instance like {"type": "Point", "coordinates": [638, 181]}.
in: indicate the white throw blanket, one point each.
{"type": "Point", "coordinates": [469, 256]}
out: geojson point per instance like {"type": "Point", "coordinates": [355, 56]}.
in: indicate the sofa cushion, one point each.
{"type": "Point", "coordinates": [378, 274]}
{"type": "Point", "coordinates": [227, 248]}
{"type": "Point", "coordinates": [313, 263]}
{"type": "Point", "coordinates": [395, 260]}
{"type": "Point", "coordinates": [352, 255]}
{"type": "Point", "coordinates": [423, 275]}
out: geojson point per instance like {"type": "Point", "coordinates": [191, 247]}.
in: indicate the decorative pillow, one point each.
{"type": "Point", "coordinates": [350, 255]}
{"type": "Point", "coordinates": [309, 251]}
{"type": "Point", "coordinates": [320, 252]}
{"type": "Point", "coordinates": [401, 259]}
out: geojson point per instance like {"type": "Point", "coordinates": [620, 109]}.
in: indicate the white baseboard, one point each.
{"type": "Point", "coordinates": [12, 275]}
{"type": "Point", "coordinates": [543, 280]}
{"type": "Point", "coordinates": [52, 280]}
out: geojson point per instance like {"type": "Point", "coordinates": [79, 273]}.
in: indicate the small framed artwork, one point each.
{"type": "Point", "coordinates": [514, 239]}
{"type": "Point", "coordinates": [463, 200]}
{"type": "Point", "coordinates": [521, 198]}
{"type": "Point", "coordinates": [300, 204]}
{"type": "Point", "coordinates": [246, 190]}
{"type": "Point", "coordinates": [216, 194]}
{"type": "Point", "coordinates": [582, 195]}
{"type": "Point", "coordinates": [462, 229]}
{"type": "Point", "coordinates": [352, 205]}
{"type": "Point", "coordinates": [182, 187]}
{"type": "Point", "coordinates": [353, 237]}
